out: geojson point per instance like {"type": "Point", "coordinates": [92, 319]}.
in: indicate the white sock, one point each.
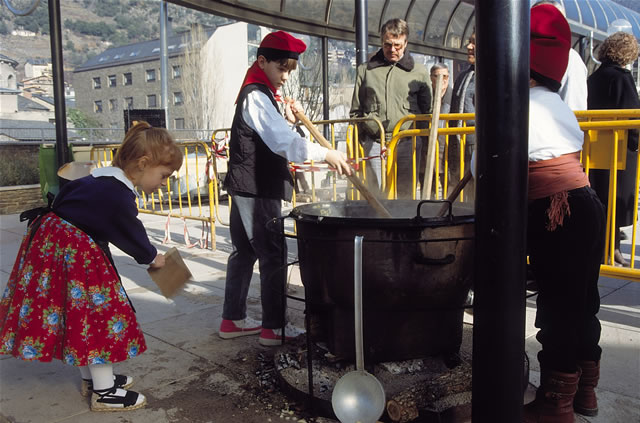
{"type": "Point", "coordinates": [102, 375]}
{"type": "Point", "coordinates": [84, 372]}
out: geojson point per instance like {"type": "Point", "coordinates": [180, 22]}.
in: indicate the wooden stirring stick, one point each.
{"type": "Point", "coordinates": [373, 201]}
{"type": "Point", "coordinates": [456, 191]}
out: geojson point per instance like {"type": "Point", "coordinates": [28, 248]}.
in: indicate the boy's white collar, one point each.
{"type": "Point", "coordinates": [117, 173]}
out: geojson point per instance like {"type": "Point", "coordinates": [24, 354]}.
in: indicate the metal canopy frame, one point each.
{"type": "Point", "coordinates": [449, 43]}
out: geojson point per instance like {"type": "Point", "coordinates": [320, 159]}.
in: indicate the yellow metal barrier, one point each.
{"type": "Point", "coordinates": [605, 148]}
{"type": "Point", "coordinates": [598, 125]}
{"type": "Point", "coordinates": [354, 152]}
{"type": "Point", "coordinates": [183, 196]}
{"type": "Point", "coordinates": [442, 184]}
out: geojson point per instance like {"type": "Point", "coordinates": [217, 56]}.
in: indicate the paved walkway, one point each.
{"type": "Point", "coordinates": [184, 350]}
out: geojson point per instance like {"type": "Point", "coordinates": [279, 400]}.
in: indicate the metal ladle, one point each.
{"type": "Point", "coordinates": [358, 396]}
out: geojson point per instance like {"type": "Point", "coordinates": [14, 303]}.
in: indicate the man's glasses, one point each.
{"type": "Point", "coordinates": [395, 46]}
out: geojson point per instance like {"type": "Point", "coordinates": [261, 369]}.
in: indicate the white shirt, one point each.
{"type": "Point", "coordinates": [258, 112]}
{"type": "Point", "coordinates": [117, 173]}
{"type": "Point", "coordinates": [574, 83]}
{"type": "Point", "coordinates": [553, 127]}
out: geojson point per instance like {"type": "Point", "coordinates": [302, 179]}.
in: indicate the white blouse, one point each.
{"type": "Point", "coordinates": [553, 127]}
{"type": "Point", "coordinates": [258, 112]}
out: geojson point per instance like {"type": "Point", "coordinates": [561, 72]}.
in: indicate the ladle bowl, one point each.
{"type": "Point", "coordinates": [358, 397]}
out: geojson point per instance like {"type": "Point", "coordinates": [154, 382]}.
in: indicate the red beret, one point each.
{"type": "Point", "coordinates": [282, 45]}
{"type": "Point", "coordinates": [550, 42]}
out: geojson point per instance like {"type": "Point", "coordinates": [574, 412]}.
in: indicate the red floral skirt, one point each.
{"type": "Point", "coordinates": [64, 300]}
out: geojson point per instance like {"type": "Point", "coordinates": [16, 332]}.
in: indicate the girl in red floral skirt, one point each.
{"type": "Point", "coordinates": [64, 298]}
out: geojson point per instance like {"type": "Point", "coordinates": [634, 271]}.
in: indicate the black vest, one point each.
{"type": "Point", "coordinates": [253, 168]}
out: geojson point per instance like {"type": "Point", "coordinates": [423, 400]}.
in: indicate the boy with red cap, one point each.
{"type": "Point", "coordinates": [261, 146]}
{"type": "Point", "coordinates": [565, 234]}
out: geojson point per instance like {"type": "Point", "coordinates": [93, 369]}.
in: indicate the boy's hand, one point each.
{"type": "Point", "coordinates": [338, 160]}
{"type": "Point", "coordinates": [158, 262]}
{"type": "Point", "coordinates": [291, 106]}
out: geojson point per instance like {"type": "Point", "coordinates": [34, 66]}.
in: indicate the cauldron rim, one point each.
{"type": "Point", "coordinates": [311, 213]}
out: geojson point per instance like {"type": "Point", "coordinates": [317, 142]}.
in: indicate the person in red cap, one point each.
{"type": "Point", "coordinates": [261, 146]}
{"type": "Point", "coordinates": [565, 234]}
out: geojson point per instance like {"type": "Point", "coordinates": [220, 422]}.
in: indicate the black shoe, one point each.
{"type": "Point", "coordinates": [119, 381]}
{"type": "Point", "coordinates": [116, 399]}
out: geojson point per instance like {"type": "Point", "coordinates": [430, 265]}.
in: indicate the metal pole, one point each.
{"type": "Point", "coordinates": [164, 61]}
{"type": "Point", "coordinates": [325, 85]}
{"type": "Point", "coordinates": [502, 109]}
{"type": "Point", "coordinates": [62, 149]}
{"type": "Point", "coordinates": [361, 32]}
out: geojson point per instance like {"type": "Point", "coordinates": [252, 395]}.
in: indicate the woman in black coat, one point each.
{"type": "Point", "coordinates": [613, 87]}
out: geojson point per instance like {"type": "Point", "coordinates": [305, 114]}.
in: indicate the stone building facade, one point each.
{"type": "Point", "coordinates": [128, 77]}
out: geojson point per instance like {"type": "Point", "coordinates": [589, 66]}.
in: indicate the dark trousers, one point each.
{"type": "Point", "coordinates": [454, 167]}
{"type": "Point", "coordinates": [566, 265]}
{"type": "Point", "coordinates": [252, 241]}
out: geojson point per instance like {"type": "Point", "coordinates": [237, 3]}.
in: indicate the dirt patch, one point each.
{"type": "Point", "coordinates": [243, 391]}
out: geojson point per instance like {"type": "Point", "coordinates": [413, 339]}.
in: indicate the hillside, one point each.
{"type": "Point", "coordinates": [90, 27]}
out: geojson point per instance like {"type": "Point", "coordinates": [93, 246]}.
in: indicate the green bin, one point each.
{"type": "Point", "coordinates": [47, 164]}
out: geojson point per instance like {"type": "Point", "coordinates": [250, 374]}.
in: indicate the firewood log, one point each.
{"type": "Point", "coordinates": [406, 405]}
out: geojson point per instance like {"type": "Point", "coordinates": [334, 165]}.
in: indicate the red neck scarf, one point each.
{"type": "Point", "coordinates": [255, 75]}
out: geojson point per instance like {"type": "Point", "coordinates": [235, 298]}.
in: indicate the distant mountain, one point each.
{"type": "Point", "coordinates": [91, 26]}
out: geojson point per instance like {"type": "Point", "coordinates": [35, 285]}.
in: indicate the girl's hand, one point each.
{"type": "Point", "coordinates": [158, 262]}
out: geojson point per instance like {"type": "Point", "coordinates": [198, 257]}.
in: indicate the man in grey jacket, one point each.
{"type": "Point", "coordinates": [389, 86]}
{"type": "Point", "coordinates": [463, 100]}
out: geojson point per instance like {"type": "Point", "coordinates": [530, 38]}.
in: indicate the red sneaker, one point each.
{"type": "Point", "coordinates": [234, 328]}
{"type": "Point", "coordinates": [272, 337]}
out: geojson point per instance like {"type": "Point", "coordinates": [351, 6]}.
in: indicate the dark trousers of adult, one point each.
{"type": "Point", "coordinates": [404, 175]}
{"type": "Point", "coordinates": [252, 241]}
{"type": "Point", "coordinates": [566, 264]}
{"type": "Point", "coordinates": [453, 164]}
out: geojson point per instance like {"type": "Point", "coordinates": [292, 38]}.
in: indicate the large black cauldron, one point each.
{"type": "Point", "coordinates": [417, 270]}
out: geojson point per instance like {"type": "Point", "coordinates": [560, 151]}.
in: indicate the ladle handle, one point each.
{"type": "Point", "coordinates": [357, 299]}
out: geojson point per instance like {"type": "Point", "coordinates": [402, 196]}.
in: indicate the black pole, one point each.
{"type": "Point", "coordinates": [62, 149]}
{"type": "Point", "coordinates": [502, 109]}
{"type": "Point", "coordinates": [361, 32]}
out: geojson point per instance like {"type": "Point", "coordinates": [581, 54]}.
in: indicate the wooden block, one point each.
{"type": "Point", "coordinates": [171, 277]}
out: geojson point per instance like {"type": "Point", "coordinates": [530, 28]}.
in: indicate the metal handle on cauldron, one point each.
{"type": "Point", "coordinates": [456, 191]}
{"type": "Point", "coordinates": [448, 259]}
{"type": "Point", "coordinates": [444, 203]}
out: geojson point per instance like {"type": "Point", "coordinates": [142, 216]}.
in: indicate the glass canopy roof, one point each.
{"type": "Point", "coordinates": [438, 27]}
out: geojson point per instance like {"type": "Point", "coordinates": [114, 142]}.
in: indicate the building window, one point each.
{"type": "Point", "coordinates": [152, 101]}
{"type": "Point", "coordinates": [96, 83]}
{"type": "Point", "coordinates": [128, 102]}
{"type": "Point", "coordinates": [179, 123]}
{"type": "Point", "coordinates": [177, 71]}
{"type": "Point", "coordinates": [177, 99]}
{"type": "Point", "coordinates": [97, 106]}
{"type": "Point", "coordinates": [253, 34]}
{"type": "Point", "coordinates": [112, 80]}
{"type": "Point", "coordinates": [127, 79]}
{"type": "Point", "coordinates": [151, 75]}
{"type": "Point", "coordinates": [113, 105]}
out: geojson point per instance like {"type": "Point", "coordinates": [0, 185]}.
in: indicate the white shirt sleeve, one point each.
{"type": "Point", "coordinates": [573, 89]}
{"type": "Point", "coordinates": [258, 112]}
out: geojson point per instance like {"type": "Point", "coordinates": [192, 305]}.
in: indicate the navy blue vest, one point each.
{"type": "Point", "coordinates": [254, 169]}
